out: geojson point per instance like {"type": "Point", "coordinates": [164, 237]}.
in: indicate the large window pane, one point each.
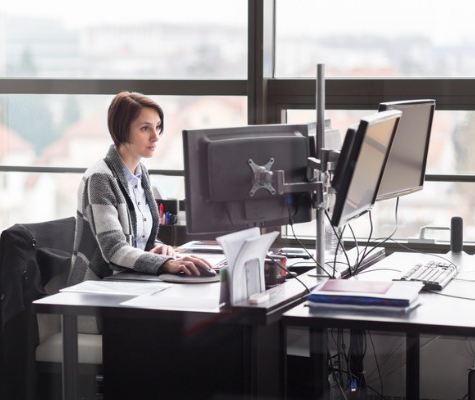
{"type": "Point", "coordinates": [71, 131]}
{"type": "Point", "coordinates": [109, 39]}
{"type": "Point", "coordinates": [433, 207]}
{"type": "Point", "coordinates": [368, 38]}
{"type": "Point", "coordinates": [449, 153]}
{"type": "Point", "coordinates": [29, 197]}
{"type": "Point", "coordinates": [452, 141]}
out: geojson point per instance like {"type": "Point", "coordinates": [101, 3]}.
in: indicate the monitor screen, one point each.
{"type": "Point", "coordinates": [361, 164]}
{"type": "Point", "coordinates": [230, 177]}
{"type": "Point", "coordinates": [345, 150]}
{"type": "Point", "coordinates": [406, 165]}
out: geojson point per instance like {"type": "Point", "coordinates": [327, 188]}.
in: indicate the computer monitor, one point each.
{"type": "Point", "coordinates": [361, 164]}
{"type": "Point", "coordinates": [406, 165]}
{"type": "Point", "coordinates": [230, 177]}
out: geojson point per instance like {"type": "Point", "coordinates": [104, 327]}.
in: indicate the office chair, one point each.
{"type": "Point", "coordinates": [35, 260]}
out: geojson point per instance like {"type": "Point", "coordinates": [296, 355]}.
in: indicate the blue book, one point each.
{"type": "Point", "coordinates": [365, 293]}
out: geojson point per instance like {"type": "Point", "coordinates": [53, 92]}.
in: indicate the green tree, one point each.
{"type": "Point", "coordinates": [30, 117]}
{"type": "Point", "coordinates": [71, 113]}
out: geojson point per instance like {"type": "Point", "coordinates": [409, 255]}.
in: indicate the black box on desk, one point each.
{"type": "Point", "coordinates": [165, 234]}
{"type": "Point", "coordinates": [173, 235]}
{"type": "Point", "coordinates": [273, 272]}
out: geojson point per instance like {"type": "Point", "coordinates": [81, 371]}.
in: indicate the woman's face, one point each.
{"type": "Point", "coordinates": [144, 133]}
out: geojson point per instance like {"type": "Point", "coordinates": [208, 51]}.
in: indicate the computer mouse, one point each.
{"type": "Point", "coordinates": [205, 272]}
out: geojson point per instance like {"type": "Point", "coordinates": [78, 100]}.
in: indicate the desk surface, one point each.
{"type": "Point", "coordinates": [446, 312]}
{"type": "Point", "coordinates": [178, 299]}
{"type": "Point", "coordinates": [186, 318]}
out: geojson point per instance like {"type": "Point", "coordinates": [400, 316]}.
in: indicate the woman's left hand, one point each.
{"type": "Point", "coordinates": [164, 250]}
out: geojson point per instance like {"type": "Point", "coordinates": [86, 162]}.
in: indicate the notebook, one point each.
{"type": "Point", "coordinates": [365, 293]}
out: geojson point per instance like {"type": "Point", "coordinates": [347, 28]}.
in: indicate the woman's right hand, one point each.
{"type": "Point", "coordinates": [189, 265]}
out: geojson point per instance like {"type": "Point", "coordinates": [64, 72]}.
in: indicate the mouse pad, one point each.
{"type": "Point", "coordinates": [188, 278]}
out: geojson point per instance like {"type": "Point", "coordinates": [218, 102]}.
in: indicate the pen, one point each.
{"type": "Point", "coordinates": [161, 210]}
{"type": "Point", "coordinates": [167, 220]}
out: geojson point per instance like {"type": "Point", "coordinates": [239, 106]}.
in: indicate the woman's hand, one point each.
{"type": "Point", "coordinates": [189, 265]}
{"type": "Point", "coordinates": [163, 249]}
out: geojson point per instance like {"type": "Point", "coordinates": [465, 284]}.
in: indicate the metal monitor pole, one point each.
{"type": "Point", "coordinates": [320, 144]}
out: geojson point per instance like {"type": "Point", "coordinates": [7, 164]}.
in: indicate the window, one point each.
{"type": "Point", "coordinates": [368, 38]}
{"type": "Point", "coordinates": [201, 61]}
{"type": "Point", "coordinates": [71, 130]}
{"type": "Point", "coordinates": [106, 39]}
{"type": "Point", "coordinates": [437, 203]}
{"type": "Point", "coordinates": [77, 57]}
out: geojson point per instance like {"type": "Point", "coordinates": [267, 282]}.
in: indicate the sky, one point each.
{"type": "Point", "coordinates": [86, 12]}
{"type": "Point", "coordinates": [442, 21]}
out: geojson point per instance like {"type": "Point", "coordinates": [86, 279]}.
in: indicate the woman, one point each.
{"type": "Point", "coordinates": [117, 216]}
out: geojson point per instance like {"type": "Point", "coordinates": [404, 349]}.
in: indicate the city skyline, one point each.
{"type": "Point", "coordinates": [404, 18]}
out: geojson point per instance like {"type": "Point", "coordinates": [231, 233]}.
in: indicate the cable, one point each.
{"type": "Point", "coordinates": [289, 272]}
{"type": "Point", "coordinates": [357, 352]}
{"type": "Point", "coordinates": [396, 225]}
{"type": "Point", "coordinates": [389, 356]}
{"type": "Point", "coordinates": [375, 391]}
{"type": "Point", "coordinates": [379, 269]}
{"type": "Point", "coordinates": [339, 244]}
{"type": "Point", "coordinates": [340, 352]}
{"type": "Point", "coordinates": [377, 364]}
{"type": "Point", "coordinates": [403, 362]}
{"type": "Point", "coordinates": [367, 252]}
{"type": "Point", "coordinates": [451, 295]}
{"type": "Point", "coordinates": [291, 223]}
{"type": "Point", "coordinates": [423, 253]}
{"type": "Point", "coordinates": [339, 336]}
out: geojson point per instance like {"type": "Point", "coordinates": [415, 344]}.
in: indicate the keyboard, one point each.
{"type": "Point", "coordinates": [435, 275]}
{"type": "Point", "coordinates": [220, 264]}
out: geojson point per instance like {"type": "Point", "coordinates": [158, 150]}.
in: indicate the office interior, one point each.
{"type": "Point", "coordinates": [257, 92]}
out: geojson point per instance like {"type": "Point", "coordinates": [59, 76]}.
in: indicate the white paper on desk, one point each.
{"type": "Point", "coordinates": [245, 251]}
{"type": "Point", "coordinates": [197, 297]}
{"type": "Point", "coordinates": [117, 287]}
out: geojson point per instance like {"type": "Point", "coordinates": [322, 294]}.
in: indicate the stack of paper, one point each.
{"type": "Point", "coordinates": [351, 292]}
{"type": "Point", "coordinates": [117, 287]}
{"type": "Point", "coordinates": [245, 251]}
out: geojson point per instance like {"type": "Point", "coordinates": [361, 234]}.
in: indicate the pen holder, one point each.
{"type": "Point", "coordinates": [166, 234]}
{"type": "Point", "coordinates": [170, 206]}
{"type": "Point", "coordinates": [173, 235]}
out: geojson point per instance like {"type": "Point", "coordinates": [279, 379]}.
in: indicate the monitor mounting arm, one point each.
{"type": "Point", "coordinates": [262, 176]}
{"type": "Point", "coordinates": [274, 182]}
{"type": "Point", "coordinates": [318, 178]}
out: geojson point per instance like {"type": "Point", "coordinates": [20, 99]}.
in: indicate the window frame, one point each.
{"type": "Point", "coordinates": [267, 97]}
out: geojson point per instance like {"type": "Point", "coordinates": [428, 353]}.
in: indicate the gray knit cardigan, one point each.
{"type": "Point", "coordinates": [106, 224]}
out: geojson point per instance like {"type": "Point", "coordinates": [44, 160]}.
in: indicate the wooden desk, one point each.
{"type": "Point", "coordinates": [449, 312]}
{"type": "Point", "coordinates": [185, 345]}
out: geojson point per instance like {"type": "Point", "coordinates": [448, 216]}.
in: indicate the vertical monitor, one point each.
{"type": "Point", "coordinates": [406, 165]}
{"type": "Point", "coordinates": [231, 177]}
{"type": "Point", "coordinates": [361, 165]}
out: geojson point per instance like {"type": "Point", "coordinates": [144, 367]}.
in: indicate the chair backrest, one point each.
{"type": "Point", "coordinates": [35, 260]}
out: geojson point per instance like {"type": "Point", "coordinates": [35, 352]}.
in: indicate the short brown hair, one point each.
{"type": "Point", "coordinates": [123, 110]}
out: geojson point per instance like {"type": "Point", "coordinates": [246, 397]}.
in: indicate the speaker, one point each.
{"type": "Point", "coordinates": [456, 234]}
